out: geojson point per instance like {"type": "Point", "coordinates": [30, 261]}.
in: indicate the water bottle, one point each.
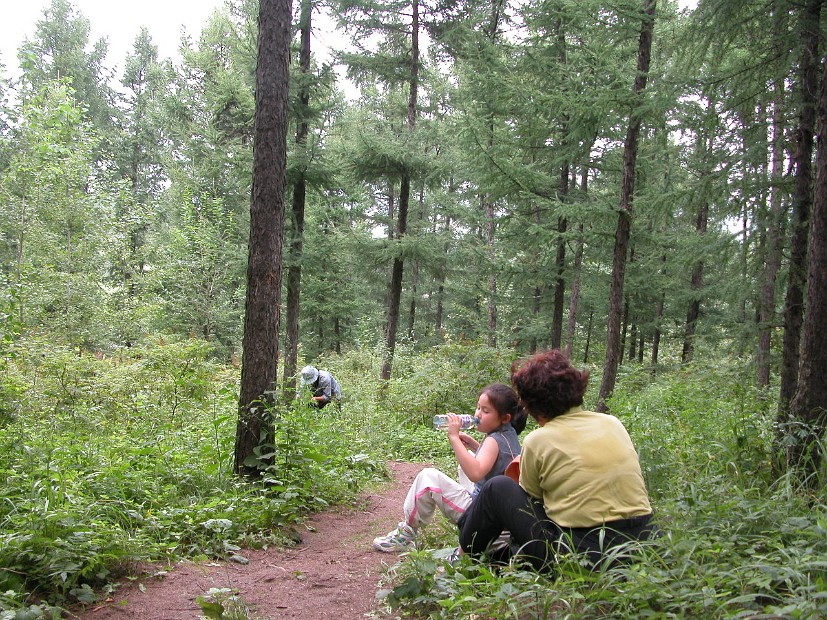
{"type": "Point", "coordinates": [466, 421]}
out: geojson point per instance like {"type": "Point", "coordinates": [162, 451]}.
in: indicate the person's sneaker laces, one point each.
{"type": "Point", "coordinates": [400, 539]}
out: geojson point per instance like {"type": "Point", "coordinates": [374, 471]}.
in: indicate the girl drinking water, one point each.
{"type": "Point", "coordinates": [501, 418]}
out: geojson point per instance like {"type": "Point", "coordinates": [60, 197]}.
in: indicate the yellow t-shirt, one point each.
{"type": "Point", "coordinates": [584, 467]}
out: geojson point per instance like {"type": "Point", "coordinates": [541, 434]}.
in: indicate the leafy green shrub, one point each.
{"type": "Point", "coordinates": [111, 460]}
{"type": "Point", "coordinates": [119, 459]}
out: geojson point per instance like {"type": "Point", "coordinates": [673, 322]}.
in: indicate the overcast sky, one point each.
{"type": "Point", "coordinates": [119, 22]}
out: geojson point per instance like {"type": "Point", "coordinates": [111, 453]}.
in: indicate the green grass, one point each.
{"type": "Point", "coordinates": [110, 461]}
{"type": "Point", "coordinates": [737, 543]}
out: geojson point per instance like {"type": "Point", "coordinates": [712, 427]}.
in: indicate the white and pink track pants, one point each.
{"type": "Point", "coordinates": [431, 489]}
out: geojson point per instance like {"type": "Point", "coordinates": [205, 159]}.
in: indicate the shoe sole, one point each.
{"type": "Point", "coordinates": [386, 550]}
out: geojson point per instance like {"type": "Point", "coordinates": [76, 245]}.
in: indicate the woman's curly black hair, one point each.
{"type": "Point", "coordinates": [547, 384]}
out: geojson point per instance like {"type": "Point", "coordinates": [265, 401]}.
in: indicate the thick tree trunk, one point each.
{"type": "Point", "coordinates": [294, 269]}
{"type": "Point", "coordinates": [808, 407]}
{"type": "Point", "coordinates": [802, 204]}
{"type": "Point", "coordinates": [261, 319]}
{"type": "Point", "coordinates": [624, 223]}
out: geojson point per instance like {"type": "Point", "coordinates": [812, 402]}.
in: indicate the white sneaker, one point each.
{"type": "Point", "coordinates": [400, 539]}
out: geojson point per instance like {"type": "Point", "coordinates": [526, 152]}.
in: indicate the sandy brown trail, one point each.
{"type": "Point", "coordinates": [333, 573]}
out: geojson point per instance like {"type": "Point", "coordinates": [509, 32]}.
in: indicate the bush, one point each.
{"type": "Point", "coordinates": [114, 460]}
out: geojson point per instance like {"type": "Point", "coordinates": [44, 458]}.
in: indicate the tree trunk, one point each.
{"type": "Point", "coordinates": [624, 222]}
{"type": "Point", "coordinates": [412, 306]}
{"type": "Point", "coordinates": [696, 285]}
{"type": "Point", "coordinates": [391, 212]}
{"type": "Point", "coordinates": [537, 295]}
{"type": "Point", "coordinates": [294, 269]}
{"type": "Point", "coordinates": [443, 267]}
{"type": "Point", "coordinates": [559, 284]}
{"type": "Point", "coordinates": [658, 322]}
{"type": "Point", "coordinates": [261, 319]}
{"type": "Point", "coordinates": [775, 237]}
{"type": "Point", "coordinates": [574, 300]}
{"type": "Point", "coordinates": [395, 290]}
{"type": "Point", "coordinates": [415, 274]}
{"type": "Point", "coordinates": [808, 407]}
{"type": "Point", "coordinates": [490, 226]}
{"type": "Point", "coordinates": [562, 222]}
{"type": "Point", "coordinates": [588, 337]}
{"type": "Point", "coordinates": [491, 32]}
{"type": "Point", "coordinates": [802, 204]}
{"type": "Point", "coordinates": [624, 327]}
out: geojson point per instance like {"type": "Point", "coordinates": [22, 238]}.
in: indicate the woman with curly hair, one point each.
{"type": "Point", "coordinates": [580, 486]}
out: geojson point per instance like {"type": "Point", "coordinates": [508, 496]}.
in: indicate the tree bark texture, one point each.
{"type": "Point", "coordinates": [261, 319]}
{"type": "Point", "coordinates": [802, 205]}
{"type": "Point", "coordinates": [808, 408]}
{"type": "Point", "coordinates": [294, 268]}
{"type": "Point", "coordinates": [775, 238]}
{"type": "Point", "coordinates": [624, 222]}
{"type": "Point", "coordinates": [395, 290]}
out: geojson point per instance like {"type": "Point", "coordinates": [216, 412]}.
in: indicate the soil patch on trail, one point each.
{"type": "Point", "coordinates": [333, 573]}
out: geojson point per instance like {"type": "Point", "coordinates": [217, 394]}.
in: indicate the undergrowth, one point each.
{"type": "Point", "coordinates": [110, 461]}
{"type": "Point", "coordinates": [736, 542]}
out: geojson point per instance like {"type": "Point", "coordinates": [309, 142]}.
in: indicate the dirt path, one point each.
{"type": "Point", "coordinates": [333, 573]}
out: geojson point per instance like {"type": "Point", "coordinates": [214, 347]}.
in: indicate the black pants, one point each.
{"type": "Point", "coordinates": [502, 504]}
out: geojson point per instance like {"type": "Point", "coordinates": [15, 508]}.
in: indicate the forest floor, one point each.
{"type": "Point", "coordinates": [333, 573]}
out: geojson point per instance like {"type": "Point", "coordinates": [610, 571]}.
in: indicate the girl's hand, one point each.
{"type": "Point", "coordinates": [453, 425]}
